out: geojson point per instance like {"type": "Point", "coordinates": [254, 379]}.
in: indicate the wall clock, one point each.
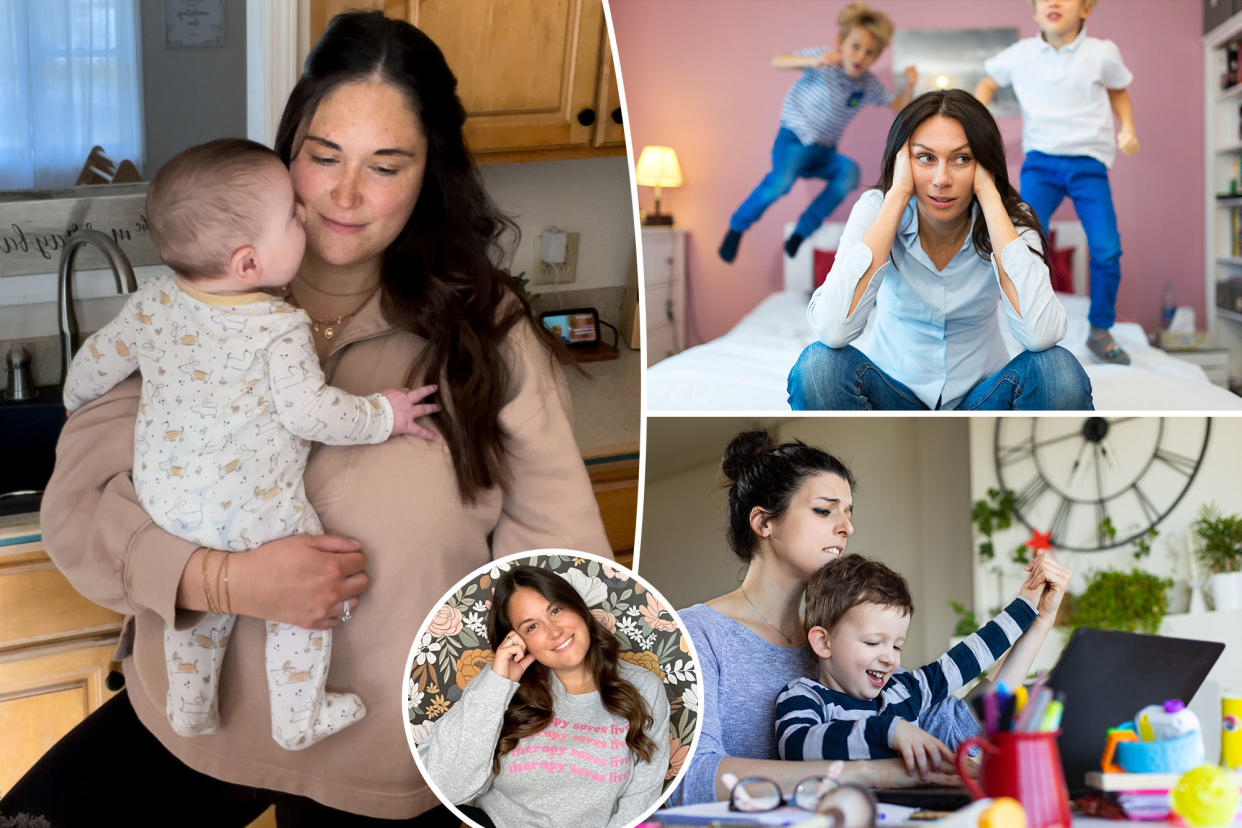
{"type": "Point", "coordinates": [1075, 477]}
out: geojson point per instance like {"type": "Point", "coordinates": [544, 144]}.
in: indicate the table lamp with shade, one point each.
{"type": "Point", "coordinates": [658, 167]}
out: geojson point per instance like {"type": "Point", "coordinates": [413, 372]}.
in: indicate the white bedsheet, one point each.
{"type": "Point", "coordinates": [746, 369]}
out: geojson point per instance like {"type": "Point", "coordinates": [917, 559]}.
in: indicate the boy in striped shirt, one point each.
{"type": "Point", "coordinates": [835, 85]}
{"type": "Point", "coordinates": [863, 706]}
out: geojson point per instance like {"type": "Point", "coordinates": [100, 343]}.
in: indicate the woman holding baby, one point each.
{"type": "Point", "coordinates": [401, 290]}
{"type": "Point", "coordinates": [789, 514]}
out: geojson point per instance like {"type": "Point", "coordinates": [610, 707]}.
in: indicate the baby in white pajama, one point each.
{"type": "Point", "coordinates": [232, 393]}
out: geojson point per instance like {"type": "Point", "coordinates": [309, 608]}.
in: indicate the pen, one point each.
{"type": "Point", "coordinates": [990, 713]}
{"type": "Point", "coordinates": [1052, 719]}
{"type": "Point", "coordinates": [1020, 698]}
{"type": "Point", "coordinates": [1033, 715]}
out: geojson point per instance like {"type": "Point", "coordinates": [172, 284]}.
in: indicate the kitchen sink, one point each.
{"type": "Point", "coordinates": [29, 430]}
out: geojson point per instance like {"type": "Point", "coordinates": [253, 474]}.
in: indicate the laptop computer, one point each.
{"type": "Point", "coordinates": [1106, 677]}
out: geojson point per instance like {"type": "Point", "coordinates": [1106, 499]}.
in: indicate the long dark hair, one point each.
{"type": "Point", "coordinates": [438, 278]}
{"type": "Point", "coordinates": [764, 474]}
{"type": "Point", "coordinates": [985, 143]}
{"type": "Point", "coordinates": [530, 710]}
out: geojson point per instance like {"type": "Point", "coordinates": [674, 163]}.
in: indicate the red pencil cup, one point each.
{"type": "Point", "coordinates": [1024, 766]}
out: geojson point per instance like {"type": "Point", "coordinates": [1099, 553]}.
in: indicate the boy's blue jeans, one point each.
{"type": "Point", "coordinates": [844, 379]}
{"type": "Point", "coordinates": [791, 160]}
{"type": "Point", "coordinates": [1046, 181]}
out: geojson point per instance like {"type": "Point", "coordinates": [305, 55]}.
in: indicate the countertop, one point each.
{"type": "Point", "coordinates": [607, 405]}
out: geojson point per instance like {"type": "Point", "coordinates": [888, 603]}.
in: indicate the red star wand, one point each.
{"type": "Point", "coordinates": [1039, 541]}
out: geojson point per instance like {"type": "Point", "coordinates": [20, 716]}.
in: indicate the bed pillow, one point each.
{"type": "Point", "coordinates": [823, 264]}
{"type": "Point", "coordinates": [1060, 265]}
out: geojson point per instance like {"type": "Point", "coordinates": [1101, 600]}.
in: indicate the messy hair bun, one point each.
{"type": "Point", "coordinates": [765, 474]}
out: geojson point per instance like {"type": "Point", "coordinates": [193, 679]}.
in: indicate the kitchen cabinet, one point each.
{"type": "Point", "coordinates": [55, 650]}
{"type": "Point", "coordinates": [536, 77]}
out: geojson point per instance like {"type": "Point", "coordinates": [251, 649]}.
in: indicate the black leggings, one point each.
{"type": "Point", "coordinates": [110, 769]}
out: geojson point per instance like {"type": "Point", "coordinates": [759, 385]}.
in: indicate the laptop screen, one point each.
{"type": "Point", "coordinates": [1108, 676]}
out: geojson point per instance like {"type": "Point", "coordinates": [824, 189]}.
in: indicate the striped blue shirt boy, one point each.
{"type": "Point", "coordinates": [815, 722]}
{"type": "Point", "coordinates": [823, 101]}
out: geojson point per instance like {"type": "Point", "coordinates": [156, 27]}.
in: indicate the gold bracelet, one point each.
{"type": "Point", "coordinates": [219, 569]}
{"type": "Point", "coordinates": [222, 596]}
{"type": "Point", "coordinates": [206, 583]}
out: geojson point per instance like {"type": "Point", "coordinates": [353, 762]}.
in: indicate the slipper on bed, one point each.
{"type": "Point", "coordinates": [1105, 348]}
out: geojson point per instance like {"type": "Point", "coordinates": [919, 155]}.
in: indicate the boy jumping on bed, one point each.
{"type": "Point", "coordinates": [1069, 87]}
{"type": "Point", "coordinates": [862, 705]}
{"type": "Point", "coordinates": [835, 84]}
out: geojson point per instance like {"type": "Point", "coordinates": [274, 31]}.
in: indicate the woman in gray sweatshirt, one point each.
{"type": "Point", "coordinates": [557, 731]}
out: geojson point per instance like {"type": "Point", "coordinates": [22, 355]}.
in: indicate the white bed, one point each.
{"type": "Point", "coordinates": [746, 369]}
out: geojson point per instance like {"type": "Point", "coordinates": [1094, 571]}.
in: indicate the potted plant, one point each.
{"type": "Point", "coordinates": [1134, 601]}
{"type": "Point", "coordinates": [1220, 553]}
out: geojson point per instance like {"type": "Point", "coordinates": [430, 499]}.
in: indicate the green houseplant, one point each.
{"type": "Point", "coordinates": [1220, 553]}
{"type": "Point", "coordinates": [1134, 601]}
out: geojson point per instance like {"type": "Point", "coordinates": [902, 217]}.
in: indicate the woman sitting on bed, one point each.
{"type": "Point", "coordinates": [929, 252]}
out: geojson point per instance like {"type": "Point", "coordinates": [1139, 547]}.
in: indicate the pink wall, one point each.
{"type": "Point", "coordinates": [697, 77]}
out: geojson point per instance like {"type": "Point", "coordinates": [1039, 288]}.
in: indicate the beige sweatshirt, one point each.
{"type": "Point", "coordinates": [398, 498]}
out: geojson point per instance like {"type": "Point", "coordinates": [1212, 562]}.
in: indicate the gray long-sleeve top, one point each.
{"type": "Point", "coordinates": [577, 771]}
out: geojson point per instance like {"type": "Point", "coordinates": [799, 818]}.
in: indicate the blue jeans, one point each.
{"type": "Point", "coordinates": [1046, 181]}
{"type": "Point", "coordinates": [845, 379]}
{"type": "Point", "coordinates": [791, 160]}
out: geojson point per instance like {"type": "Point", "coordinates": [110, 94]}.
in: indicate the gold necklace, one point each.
{"type": "Point", "coordinates": [764, 618]}
{"type": "Point", "coordinates": [330, 328]}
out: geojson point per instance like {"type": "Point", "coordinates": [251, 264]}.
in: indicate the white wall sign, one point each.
{"type": "Point", "coordinates": [193, 23]}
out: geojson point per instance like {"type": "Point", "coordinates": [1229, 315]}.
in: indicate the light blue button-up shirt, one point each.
{"type": "Point", "coordinates": [935, 331]}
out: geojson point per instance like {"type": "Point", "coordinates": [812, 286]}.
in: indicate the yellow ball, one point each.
{"type": "Point", "coordinates": [1003, 813]}
{"type": "Point", "coordinates": [1205, 797]}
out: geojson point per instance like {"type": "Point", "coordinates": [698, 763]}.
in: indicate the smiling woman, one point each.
{"type": "Point", "coordinates": [928, 253]}
{"type": "Point", "coordinates": [560, 727]}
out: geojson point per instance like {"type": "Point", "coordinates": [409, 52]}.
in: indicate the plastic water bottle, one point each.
{"type": "Point", "coordinates": [1168, 307]}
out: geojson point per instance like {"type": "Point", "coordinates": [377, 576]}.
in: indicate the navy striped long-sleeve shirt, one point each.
{"type": "Point", "coordinates": [815, 722]}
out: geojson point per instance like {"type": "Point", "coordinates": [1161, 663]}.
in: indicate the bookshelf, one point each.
{"type": "Point", "coordinates": [1223, 186]}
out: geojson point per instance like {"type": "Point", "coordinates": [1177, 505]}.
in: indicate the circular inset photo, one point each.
{"type": "Point", "coordinates": [554, 688]}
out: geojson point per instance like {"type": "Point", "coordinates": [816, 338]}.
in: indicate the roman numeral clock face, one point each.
{"type": "Point", "coordinates": [1098, 483]}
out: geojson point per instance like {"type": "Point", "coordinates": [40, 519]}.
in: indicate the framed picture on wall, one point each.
{"type": "Point", "coordinates": [193, 23]}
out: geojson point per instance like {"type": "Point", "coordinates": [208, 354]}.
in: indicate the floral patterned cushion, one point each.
{"type": "Point", "coordinates": [454, 647]}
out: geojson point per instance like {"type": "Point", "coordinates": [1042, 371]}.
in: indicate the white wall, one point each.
{"type": "Point", "coordinates": [911, 510]}
{"type": "Point", "coordinates": [591, 197]}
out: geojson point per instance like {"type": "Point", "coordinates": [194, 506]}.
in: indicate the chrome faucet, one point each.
{"type": "Point", "coordinates": [70, 339]}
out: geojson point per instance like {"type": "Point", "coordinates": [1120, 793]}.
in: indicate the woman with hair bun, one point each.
{"type": "Point", "coordinates": [789, 514]}
{"type": "Point", "coordinates": [535, 739]}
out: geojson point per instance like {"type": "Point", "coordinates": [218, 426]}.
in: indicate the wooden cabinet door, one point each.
{"type": "Point", "coordinates": [43, 697]}
{"type": "Point", "coordinates": [610, 128]}
{"type": "Point", "coordinates": [528, 71]}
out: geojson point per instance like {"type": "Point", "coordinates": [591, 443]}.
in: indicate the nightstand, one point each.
{"type": "Point", "coordinates": [664, 289]}
{"type": "Point", "coordinates": [1213, 361]}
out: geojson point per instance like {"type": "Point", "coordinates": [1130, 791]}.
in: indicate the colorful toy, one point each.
{"type": "Point", "coordinates": [1205, 797]}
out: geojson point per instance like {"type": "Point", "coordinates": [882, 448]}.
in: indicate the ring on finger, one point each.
{"type": "Point", "coordinates": [346, 614]}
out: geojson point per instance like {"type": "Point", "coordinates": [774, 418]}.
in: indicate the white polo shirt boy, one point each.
{"type": "Point", "coordinates": [1064, 93]}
